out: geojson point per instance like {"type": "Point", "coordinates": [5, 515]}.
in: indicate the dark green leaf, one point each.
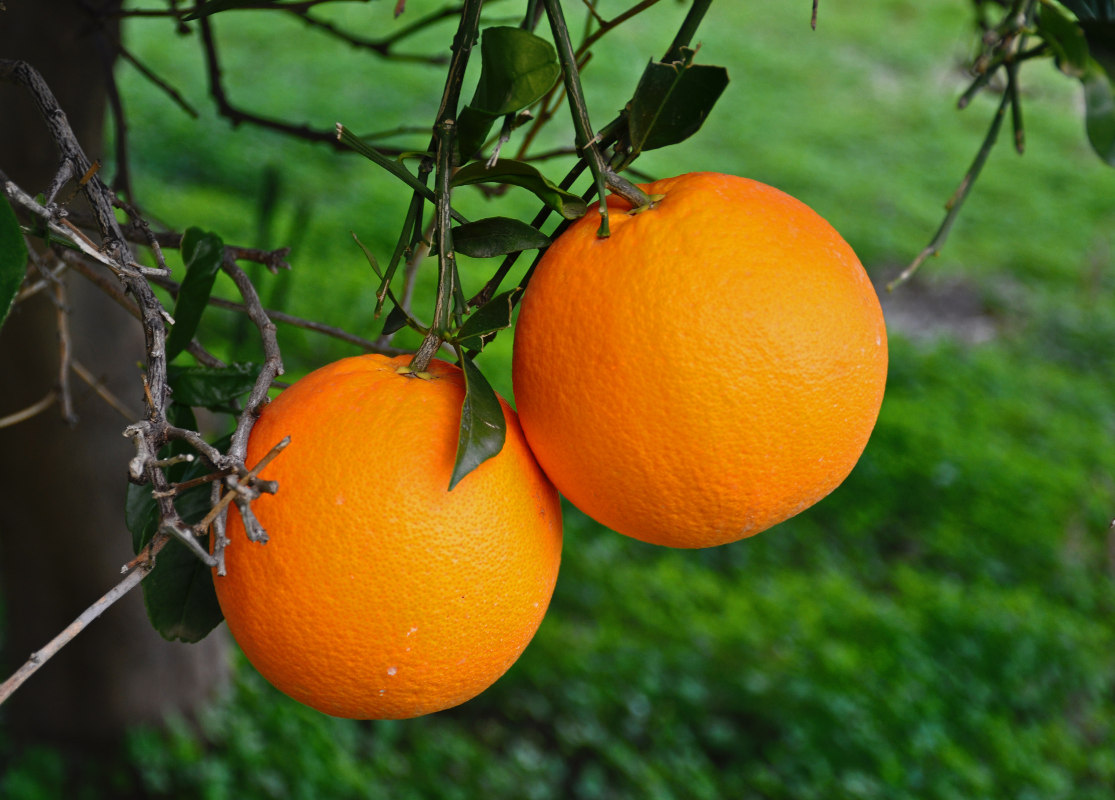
{"type": "Point", "coordinates": [179, 595]}
{"type": "Point", "coordinates": [517, 68]}
{"type": "Point", "coordinates": [1091, 9]}
{"type": "Point", "coordinates": [211, 387]}
{"type": "Point", "coordinates": [396, 320]}
{"type": "Point", "coordinates": [201, 253]}
{"type": "Point", "coordinates": [483, 426]}
{"type": "Point", "coordinates": [495, 315]}
{"type": "Point", "coordinates": [141, 515]}
{"type": "Point", "coordinates": [518, 173]}
{"type": "Point", "coordinates": [141, 512]}
{"type": "Point", "coordinates": [1100, 36]}
{"type": "Point", "coordinates": [1065, 38]}
{"type": "Point", "coordinates": [13, 258]}
{"type": "Point", "coordinates": [672, 101]}
{"type": "Point", "coordinates": [497, 236]}
{"type": "Point", "coordinates": [1099, 112]}
{"type": "Point", "coordinates": [182, 416]}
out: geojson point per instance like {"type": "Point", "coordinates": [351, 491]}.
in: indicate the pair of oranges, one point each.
{"type": "Point", "coordinates": [712, 368]}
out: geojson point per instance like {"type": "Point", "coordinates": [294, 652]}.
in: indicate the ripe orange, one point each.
{"type": "Point", "coordinates": [381, 594]}
{"type": "Point", "coordinates": [712, 368]}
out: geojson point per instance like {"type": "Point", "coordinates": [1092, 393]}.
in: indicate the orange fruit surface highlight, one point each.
{"type": "Point", "coordinates": [380, 594]}
{"type": "Point", "coordinates": [711, 369]}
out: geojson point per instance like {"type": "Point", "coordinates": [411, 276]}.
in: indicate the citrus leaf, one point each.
{"type": "Point", "coordinates": [141, 512]}
{"type": "Point", "coordinates": [497, 236]}
{"type": "Point", "coordinates": [141, 515]}
{"type": "Point", "coordinates": [1100, 35]}
{"type": "Point", "coordinates": [519, 173]}
{"type": "Point", "coordinates": [201, 253]}
{"type": "Point", "coordinates": [1091, 9]}
{"type": "Point", "coordinates": [211, 387]}
{"type": "Point", "coordinates": [672, 101]}
{"type": "Point", "coordinates": [1065, 38]}
{"type": "Point", "coordinates": [483, 426]}
{"type": "Point", "coordinates": [179, 595]}
{"type": "Point", "coordinates": [1099, 112]}
{"type": "Point", "coordinates": [495, 315]}
{"type": "Point", "coordinates": [13, 259]}
{"type": "Point", "coordinates": [396, 320]}
{"type": "Point", "coordinates": [517, 68]}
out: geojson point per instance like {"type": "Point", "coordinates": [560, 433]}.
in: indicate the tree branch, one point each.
{"type": "Point", "coordinates": [40, 657]}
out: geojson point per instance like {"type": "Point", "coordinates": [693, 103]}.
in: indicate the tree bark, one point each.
{"type": "Point", "coordinates": [62, 533]}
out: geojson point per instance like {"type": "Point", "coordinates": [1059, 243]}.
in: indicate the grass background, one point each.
{"type": "Point", "coordinates": [940, 627]}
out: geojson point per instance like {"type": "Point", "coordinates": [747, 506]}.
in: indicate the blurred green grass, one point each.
{"type": "Point", "coordinates": [939, 627]}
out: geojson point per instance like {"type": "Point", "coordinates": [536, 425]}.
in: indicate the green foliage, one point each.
{"type": "Point", "coordinates": [939, 627]}
{"type": "Point", "coordinates": [672, 101]}
{"type": "Point", "coordinates": [201, 253]}
{"type": "Point", "coordinates": [497, 236]}
{"type": "Point", "coordinates": [179, 596]}
{"type": "Point", "coordinates": [1099, 115]}
{"type": "Point", "coordinates": [13, 258]}
{"type": "Point", "coordinates": [483, 427]}
{"type": "Point", "coordinates": [518, 68]}
{"type": "Point", "coordinates": [490, 318]}
{"type": "Point", "coordinates": [214, 388]}
{"type": "Point", "coordinates": [527, 176]}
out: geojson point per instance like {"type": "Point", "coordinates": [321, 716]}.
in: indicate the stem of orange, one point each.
{"type": "Point", "coordinates": [586, 139]}
{"type": "Point", "coordinates": [445, 130]}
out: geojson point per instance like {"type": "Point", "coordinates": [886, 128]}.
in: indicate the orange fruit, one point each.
{"type": "Point", "coordinates": [711, 369]}
{"type": "Point", "coordinates": [380, 594]}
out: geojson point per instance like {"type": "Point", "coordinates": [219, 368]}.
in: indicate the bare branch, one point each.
{"type": "Point", "coordinates": [25, 414]}
{"type": "Point", "coordinates": [102, 391]}
{"type": "Point", "coordinates": [65, 353]}
{"type": "Point", "coordinates": [40, 657]}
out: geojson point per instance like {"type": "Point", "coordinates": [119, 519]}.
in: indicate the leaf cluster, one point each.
{"type": "Point", "coordinates": [519, 72]}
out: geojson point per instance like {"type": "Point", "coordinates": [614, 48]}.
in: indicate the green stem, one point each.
{"type": "Point", "coordinates": [388, 163]}
{"type": "Point", "coordinates": [490, 288]}
{"type": "Point", "coordinates": [688, 29]}
{"type": "Point", "coordinates": [444, 140]}
{"type": "Point", "coordinates": [586, 139]}
{"type": "Point", "coordinates": [952, 207]}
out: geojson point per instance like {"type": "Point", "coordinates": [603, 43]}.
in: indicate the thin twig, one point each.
{"type": "Point", "coordinates": [443, 145]}
{"type": "Point", "coordinates": [65, 353]}
{"type": "Point", "coordinates": [606, 26]}
{"type": "Point", "coordinates": [386, 46]}
{"type": "Point", "coordinates": [40, 657]}
{"type": "Point", "coordinates": [958, 197]}
{"type": "Point", "coordinates": [241, 493]}
{"type": "Point", "coordinates": [236, 115]}
{"type": "Point", "coordinates": [35, 408]}
{"type": "Point", "coordinates": [102, 391]}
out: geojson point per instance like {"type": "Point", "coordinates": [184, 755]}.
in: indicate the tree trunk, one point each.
{"type": "Point", "coordinates": [62, 533]}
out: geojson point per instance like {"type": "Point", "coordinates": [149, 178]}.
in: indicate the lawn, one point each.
{"type": "Point", "coordinates": [939, 627]}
